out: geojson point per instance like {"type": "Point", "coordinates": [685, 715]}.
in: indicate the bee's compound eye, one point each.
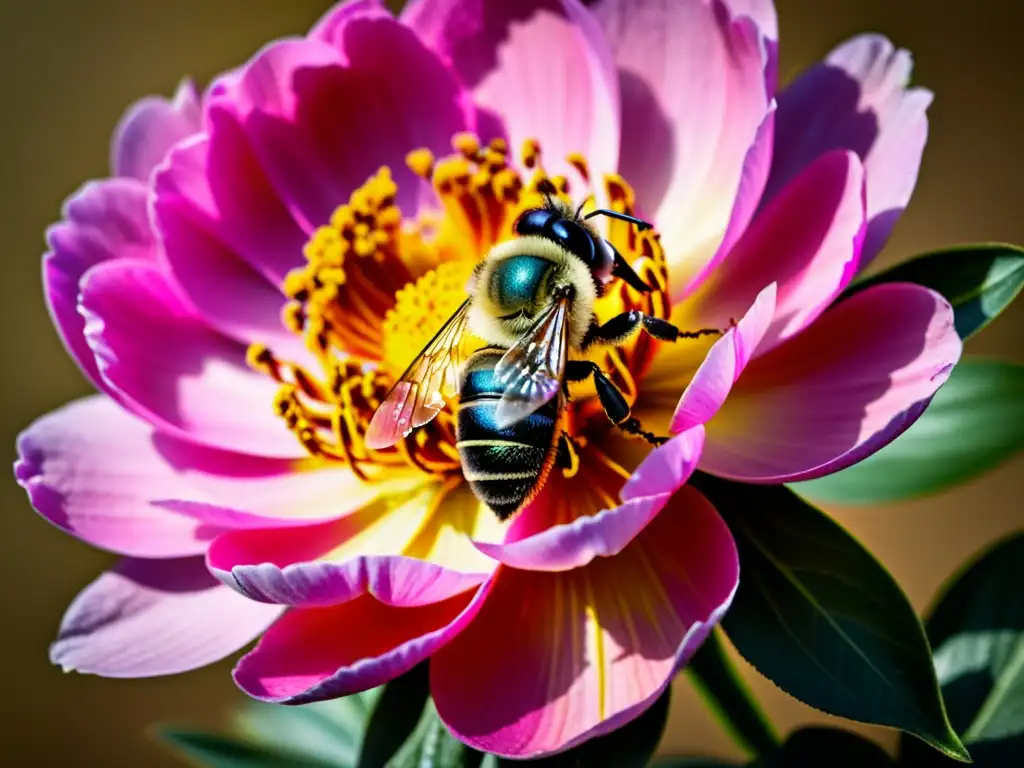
{"type": "Point", "coordinates": [604, 260]}
{"type": "Point", "coordinates": [532, 222]}
{"type": "Point", "coordinates": [573, 238]}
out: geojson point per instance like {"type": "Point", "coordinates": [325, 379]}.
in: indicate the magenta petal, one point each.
{"type": "Point", "coordinates": [306, 566]}
{"type": "Point", "coordinates": [90, 469]}
{"type": "Point", "coordinates": [312, 654]}
{"type": "Point", "coordinates": [156, 617]}
{"type": "Point", "coordinates": [807, 241]}
{"type": "Point", "coordinates": [762, 12]}
{"type": "Point", "coordinates": [693, 98]}
{"type": "Point", "coordinates": [229, 249]}
{"type": "Point", "coordinates": [182, 376]}
{"type": "Point", "coordinates": [534, 543]}
{"type": "Point", "coordinates": [103, 220]}
{"type": "Point", "coordinates": [859, 99]}
{"type": "Point", "coordinates": [540, 67]}
{"type": "Point", "coordinates": [322, 119]}
{"type": "Point", "coordinates": [151, 127]}
{"type": "Point", "coordinates": [331, 27]}
{"type": "Point", "coordinates": [846, 386]}
{"type": "Point", "coordinates": [725, 361]}
{"type": "Point", "coordinates": [553, 659]}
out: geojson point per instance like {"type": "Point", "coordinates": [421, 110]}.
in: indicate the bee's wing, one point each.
{"type": "Point", "coordinates": [532, 370]}
{"type": "Point", "coordinates": [420, 394]}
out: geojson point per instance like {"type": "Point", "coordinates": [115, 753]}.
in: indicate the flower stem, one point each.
{"type": "Point", "coordinates": [730, 699]}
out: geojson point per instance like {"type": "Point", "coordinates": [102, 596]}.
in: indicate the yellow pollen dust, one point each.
{"type": "Point", "coordinates": [421, 308]}
{"type": "Point", "coordinates": [375, 289]}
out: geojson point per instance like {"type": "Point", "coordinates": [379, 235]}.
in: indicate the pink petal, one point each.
{"type": "Point", "coordinates": [540, 67]}
{"type": "Point", "coordinates": [313, 654]}
{"type": "Point", "coordinates": [756, 167]}
{"type": "Point", "coordinates": [102, 475]}
{"type": "Point", "coordinates": [839, 391]}
{"type": "Point", "coordinates": [553, 659]}
{"type": "Point", "coordinates": [331, 27]}
{"type": "Point", "coordinates": [90, 469]}
{"type": "Point", "coordinates": [370, 551]}
{"type": "Point", "coordinates": [806, 240]}
{"type": "Point", "coordinates": [156, 617]}
{"type": "Point", "coordinates": [228, 238]}
{"type": "Point", "coordinates": [181, 375]}
{"type": "Point", "coordinates": [103, 220]}
{"type": "Point", "coordinates": [726, 360]}
{"type": "Point", "coordinates": [321, 119]}
{"type": "Point", "coordinates": [537, 541]}
{"type": "Point", "coordinates": [762, 12]}
{"type": "Point", "coordinates": [859, 99]}
{"type": "Point", "coordinates": [151, 127]}
{"type": "Point", "coordinates": [693, 98]}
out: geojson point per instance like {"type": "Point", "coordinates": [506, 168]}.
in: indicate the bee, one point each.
{"type": "Point", "coordinates": [531, 299]}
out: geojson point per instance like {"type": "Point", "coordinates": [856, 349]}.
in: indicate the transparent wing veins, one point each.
{"type": "Point", "coordinates": [421, 392]}
{"type": "Point", "coordinates": [531, 371]}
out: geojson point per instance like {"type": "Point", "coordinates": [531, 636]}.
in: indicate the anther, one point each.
{"type": "Point", "coordinates": [421, 162]}
{"type": "Point", "coordinates": [467, 144]}
{"type": "Point", "coordinates": [579, 162]}
{"type": "Point", "coordinates": [531, 152]}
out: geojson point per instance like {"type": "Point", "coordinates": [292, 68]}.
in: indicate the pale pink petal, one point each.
{"type": "Point", "coordinates": [182, 376]}
{"type": "Point", "coordinates": [807, 241]}
{"type": "Point", "coordinates": [756, 167]}
{"type": "Point", "coordinates": [540, 68]}
{"type": "Point", "coordinates": [89, 468]}
{"type": "Point", "coordinates": [156, 617]}
{"type": "Point", "coordinates": [321, 119]}
{"type": "Point", "coordinates": [151, 127]}
{"type": "Point", "coordinates": [763, 14]}
{"type": "Point", "coordinates": [537, 541]}
{"type": "Point", "coordinates": [312, 654]}
{"type": "Point", "coordinates": [376, 550]}
{"type": "Point", "coordinates": [101, 474]}
{"type": "Point", "coordinates": [103, 220]}
{"type": "Point", "coordinates": [693, 99]}
{"type": "Point", "coordinates": [859, 99]}
{"type": "Point", "coordinates": [228, 238]}
{"type": "Point", "coordinates": [553, 659]}
{"type": "Point", "coordinates": [728, 357]}
{"type": "Point", "coordinates": [839, 391]}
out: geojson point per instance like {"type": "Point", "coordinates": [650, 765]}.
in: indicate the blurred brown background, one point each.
{"type": "Point", "coordinates": [71, 67]}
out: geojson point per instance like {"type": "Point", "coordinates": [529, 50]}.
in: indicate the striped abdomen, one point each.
{"type": "Point", "coordinates": [504, 467]}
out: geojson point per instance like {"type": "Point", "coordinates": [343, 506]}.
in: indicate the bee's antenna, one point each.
{"type": "Point", "coordinates": [580, 209]}
{"type": "Point", "coordinates": [640, 223]}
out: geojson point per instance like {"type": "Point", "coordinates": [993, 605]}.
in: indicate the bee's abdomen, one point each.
{"type": "Point", "coordinates": [504, 467]}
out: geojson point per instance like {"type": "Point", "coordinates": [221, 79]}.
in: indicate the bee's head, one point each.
{"type": "Point", "coordinates": [569, 231]}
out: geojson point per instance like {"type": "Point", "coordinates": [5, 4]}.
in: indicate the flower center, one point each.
{"type": "Point", "coordinates": [375, 289]}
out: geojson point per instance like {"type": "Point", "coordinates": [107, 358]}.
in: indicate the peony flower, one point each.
{"type": "Point", "coordinates": [268, 256]}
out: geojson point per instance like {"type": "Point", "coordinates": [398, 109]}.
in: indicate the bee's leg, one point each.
{"type": "Point", "coordinates": [622, 326]}
{"type": "Point", "coordinates": [612, 400]}
{"type": "Point", "coordinates": [568, 457]}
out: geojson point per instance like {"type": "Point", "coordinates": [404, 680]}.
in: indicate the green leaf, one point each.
{"type": "Point", "coordinates": [730, 698]}
{"type": "Point", "coordinates": [979, 281]}
{"type": "Point", "coordinates": [820, 617]}
{"type": "Point", "coordinates": [432, 746]}
{"type": "Point", "coordinates": [977, 630]}
{"type": "Point", "coordinates": [692, 762]}
{"type": "Point", "coordinates": [394, 719]}
{"type": "Point", "coordinates": [329, 732]}
{"type": "Point", "coordinates": [975, 421]}
{"type": "Point", "coordinates": [214, 751]}
{"type": "Point", "coordinates": [825, 746]}
{"type": "Point", "coordinates": [631, 746]}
